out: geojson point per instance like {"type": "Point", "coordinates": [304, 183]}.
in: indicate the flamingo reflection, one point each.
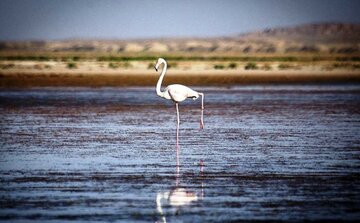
{"type": "Point", "coordinates": [178, 197]}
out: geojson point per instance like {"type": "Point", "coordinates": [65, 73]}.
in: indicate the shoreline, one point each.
{"type": "Point", "coordinates": [126, 78]}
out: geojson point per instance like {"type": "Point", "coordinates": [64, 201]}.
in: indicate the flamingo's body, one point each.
{"type": "Point", "coordinates": [177, 93]}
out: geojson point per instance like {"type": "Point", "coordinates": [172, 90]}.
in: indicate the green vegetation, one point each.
{"type": "Point", "coordinates": [151, 66]}
{"type": "Point", "coordinates": [222, 66]}
{"type": "Point", "coordinates": [219, 66]}
{"type": "Point", "coordinates": [7, 66]}
{"type": "Point", "coordinates": [355, 58]}
{"type": "Point", "coordinates": [71, 65]}
{"type": "Point", "coordinates": [172, 65]}
{"type": "Point", "coordinates": [126, 65]}
{"type": "Point", "coordinates": [283, 66]}
{"type": "Point", "coordinates": [38, 67]}
{"type": "Point", "coordinates": [251, 66]}
{"type": "Point", "coordinates": [356, 66]}
{"type": "Point", "coordinates": [266, 67]}
{"type": "Point", "coordinates": [24, 58]}
{"type": "Point", "coordinates": [75, 58]}
{"type": "Point", "coordinates": [171, 58]}
{"type": "Point", "coordinates": [67, 59]}
{"type": "Point", "coordinates": [204, 58]}
{"type": "Point", "coordinates": [345, 66]}
{"type": "Point", "coordinates": [232, 66]}
{"type": "Point", "coordinates": [113, 65]}
{"type": "Point", "coordinates": [286, 66]}
{"type": "Point", "coordinates": [221, 61]}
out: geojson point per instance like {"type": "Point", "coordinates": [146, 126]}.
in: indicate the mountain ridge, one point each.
{"type": "Point", "coordinates": [312, 38]}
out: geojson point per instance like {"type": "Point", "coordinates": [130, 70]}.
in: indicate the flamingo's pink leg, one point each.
{"type": "Point", "coordinates": [177, 144]}
{"type": "Point", "coordinates": [202, 111]}
{"type": "Point", "coordinates": [178, 123]}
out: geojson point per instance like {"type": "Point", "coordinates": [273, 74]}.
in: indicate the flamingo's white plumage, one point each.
{"type": "Point", "coordinates": [177, 93]}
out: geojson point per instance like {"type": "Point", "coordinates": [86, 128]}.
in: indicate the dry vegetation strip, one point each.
{"type": "Point", "coordinates": [100, 80]}
{"type": "Point", "coordinates": [258, 58]}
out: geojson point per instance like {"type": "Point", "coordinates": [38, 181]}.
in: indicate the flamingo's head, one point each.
{"type": "Point", "coordinates": [159, 61]}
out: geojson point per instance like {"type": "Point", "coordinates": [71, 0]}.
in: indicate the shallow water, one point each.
{"type": "Point", "coordinates": [287, 153]}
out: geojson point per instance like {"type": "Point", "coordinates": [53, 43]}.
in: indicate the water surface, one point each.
{"type": "Point", "coordinates": [287, 153]}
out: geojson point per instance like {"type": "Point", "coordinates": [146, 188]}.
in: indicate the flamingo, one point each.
{"type": "Point", "coordinates": [177, 93]}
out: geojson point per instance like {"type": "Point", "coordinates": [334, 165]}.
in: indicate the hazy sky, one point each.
{"type": "Point", "coordinates": [59, 19]}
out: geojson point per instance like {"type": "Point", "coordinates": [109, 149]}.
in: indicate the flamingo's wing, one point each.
{"type": "Point", "coordinates": [176, 94]}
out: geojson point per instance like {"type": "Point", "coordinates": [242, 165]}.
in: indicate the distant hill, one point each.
{"type": "Point", "coordinates": [322, 38]}
{"type": "Point", "coordinates": [323, 32]}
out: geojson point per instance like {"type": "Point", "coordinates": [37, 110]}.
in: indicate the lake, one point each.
{"type": "Point", "coordinates": [271, 152]}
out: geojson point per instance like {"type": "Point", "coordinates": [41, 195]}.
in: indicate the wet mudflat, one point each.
{"type": "Point", "coordinates": [280, 153]}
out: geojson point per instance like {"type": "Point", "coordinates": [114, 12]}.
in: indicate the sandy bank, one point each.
{"type": "Point", "coordinates": [149, 78]}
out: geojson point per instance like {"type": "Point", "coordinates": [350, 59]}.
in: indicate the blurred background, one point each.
{"type": "Point", "coordinates": [228, 42]}
{"type": "Point", "coordinates": [81, 141]}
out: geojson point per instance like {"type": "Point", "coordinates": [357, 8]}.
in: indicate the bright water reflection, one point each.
{"type": "Point", "coordinates": [170, 202]}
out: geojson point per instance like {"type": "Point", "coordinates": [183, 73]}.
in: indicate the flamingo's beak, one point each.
{"type": "Point", "coordinates": [155, 68]}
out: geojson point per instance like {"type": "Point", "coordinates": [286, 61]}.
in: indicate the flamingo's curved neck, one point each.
{"type": "Point", "coordinates": [158, 85]}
